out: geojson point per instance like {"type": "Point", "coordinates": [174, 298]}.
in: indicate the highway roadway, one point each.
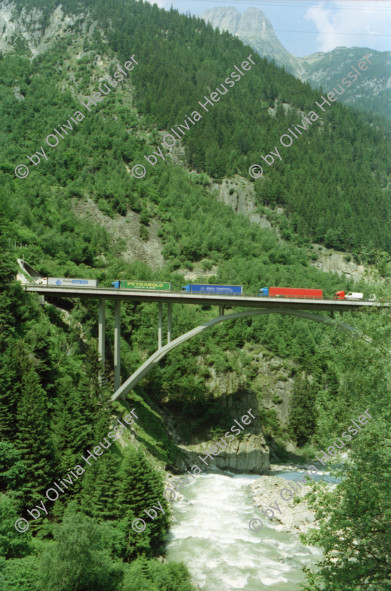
{"type": "Point", "coordinates": [227, 301]}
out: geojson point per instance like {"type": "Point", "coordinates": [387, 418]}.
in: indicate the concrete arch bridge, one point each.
{"type": "Point", "coordinates": [255, 306]}
{"type": "Point", "coordinates": [133, 380]}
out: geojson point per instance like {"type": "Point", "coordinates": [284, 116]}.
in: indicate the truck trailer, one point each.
{"type": "Point", "coordinates": [213, 289]}
{"type": "Point", "coordinates": [290, 292]}
{"type": "Point", "coordinates": [142, 285]}
{"type": "Point", "coordinates": [70, 282]}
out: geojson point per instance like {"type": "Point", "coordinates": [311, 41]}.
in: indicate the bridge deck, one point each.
{"type": "Point", "coordinates": [228, 301]}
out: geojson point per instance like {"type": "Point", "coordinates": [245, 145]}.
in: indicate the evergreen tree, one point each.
{"type": "Point", "coordinates": [140, 488]}
{"type": "Point", "coordinates": [72, 422]}
{"type": "Point", "coordinates": [12, 469]}
{"type": "Point", "coordinates": [8, 299]}
{"type": "Point", "coordinates": [14, 367]}
{"type": "Point", "coordinates": [12, 543]}
{"type": "Point", "coordinates": [33, 438]}
{"type": "Point", "coordinates": [302, 417]}
{"type": "Point", "coordinates": [152, 575]}
{"type": "Point", "coordinates": [101, 485]}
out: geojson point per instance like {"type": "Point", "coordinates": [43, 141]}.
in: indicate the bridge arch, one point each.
{"type": "Point", "coordinates": [133, 380]}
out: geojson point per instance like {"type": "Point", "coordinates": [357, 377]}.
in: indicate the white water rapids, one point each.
{"type": "Point", "coordinates": [210, 534]}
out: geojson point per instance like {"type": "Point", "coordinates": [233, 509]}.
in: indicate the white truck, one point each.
{"type": "Point", "coordinates": [353, 296]}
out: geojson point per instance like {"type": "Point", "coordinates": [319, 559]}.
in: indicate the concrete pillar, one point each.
{"type": "Point", "coordinates": [102, 330]}
{"type": "Point", "coordinates": [221, 310]}
{"type": "Point", "coordinates": [169, 322]}
{"type": "Point", "coordinates": [101, 336]}
{"type": "Point", "coordinates": [117, 344]}
{"type": "Point", "coordinates": [159, 335]}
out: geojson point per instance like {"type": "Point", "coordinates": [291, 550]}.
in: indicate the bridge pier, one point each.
{"type": "Point", "coordinates": [160, 328]}
{"type": "Point", "coordinates": [117, 344]}
{"type": "Point", "coordinates": [169, 322]}
{"type": "Point", "coordinates": [102, 334]}
{"type": "Point", "coordinates": [117, 336]}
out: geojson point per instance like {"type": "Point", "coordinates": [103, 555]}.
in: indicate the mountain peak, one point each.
{"type": "Point", "coordinates": [254, 28]}
{"type": "Point", "coordinates": [251, 21]}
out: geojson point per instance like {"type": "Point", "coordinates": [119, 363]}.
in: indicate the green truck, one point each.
{"type": "Point", "coordinates": [143, 285]}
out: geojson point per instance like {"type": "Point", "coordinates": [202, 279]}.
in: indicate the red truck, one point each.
{"type": "Point", "coordinates": [291, 292]}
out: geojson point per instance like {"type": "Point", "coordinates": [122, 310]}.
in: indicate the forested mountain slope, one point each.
{"type": "Point", "coordinates": [351, 156]}
{"type": "Point", "coordinates": [53, 407]}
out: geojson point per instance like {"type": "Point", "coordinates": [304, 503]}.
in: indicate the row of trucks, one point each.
{"type": "Point", "coordinates": [208, 289]}
{"type": "Point", "coordinates": [275, 292]}
{"type": "Point", "coordinates": [29, 274]}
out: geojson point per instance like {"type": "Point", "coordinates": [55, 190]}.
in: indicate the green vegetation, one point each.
{"type": "Point", "coordinates": [302, 421]}
{"type": "Point", "coordinates": [53, 406]}
{"type": "Point", "coordinates": [355, 518]}
{"type": "Point", "coordinates": [327, 207]}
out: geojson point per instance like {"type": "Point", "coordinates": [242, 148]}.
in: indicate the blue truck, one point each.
{"type": "Point", "coordinates": [213, 289]}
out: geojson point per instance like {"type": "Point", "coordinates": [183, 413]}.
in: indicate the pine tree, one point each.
{"type": "Point", "coordinates": [302, 418]}
{"type": "Point", "coordinates": [72, 423]}
{"type": "Point", "coordinates": [12, 470]}
{"type": "Point", "coordinates": [12, 544]}
{"type": "Point", "coordinates": [8, 300]}
{"type": "Point", "coordinates": [101, 486]}
{"type": "Point", "coordinates": [33, 437]}
{"type": "Point", "coordinates": [15, 365]}
{"type": "Point", "coordinates": [140, 488]}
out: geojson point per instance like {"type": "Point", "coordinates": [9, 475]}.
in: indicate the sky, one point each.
{"type": "Point", "coordinates": [305, 26]}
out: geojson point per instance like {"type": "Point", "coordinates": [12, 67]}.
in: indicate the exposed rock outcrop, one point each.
{"type": "Point", "coordinates": [294, 517]}
{"type": "Point", "coordinates": [248, 455]}
{"type": "Point", "coordinates": [29, 32]}
{"type": "Point", "coordinates": [238, 193]}
{"type": "Point", "coordinates": [253, 27]}
{"type": "Point", "coordinates": [127, 229]}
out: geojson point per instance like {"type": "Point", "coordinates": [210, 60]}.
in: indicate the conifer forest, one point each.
{"type": "Point", "coordinates": [91, 93]}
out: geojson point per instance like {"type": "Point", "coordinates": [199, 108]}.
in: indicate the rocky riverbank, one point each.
{"type": "Point", "coordinates": [283, 501]}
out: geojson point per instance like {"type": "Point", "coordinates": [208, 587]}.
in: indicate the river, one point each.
{"type": "Point", "coordinates": [210, 534]}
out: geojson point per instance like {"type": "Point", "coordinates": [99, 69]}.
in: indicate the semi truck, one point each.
{"type": "Point", "coordinates": [213, 289]}
{"type": "Point", "coordinates": [142, 285]}
{"type": "Point", "coordinates": [69, 282]}
{"type": "Point", "coordinates": [290, 292]}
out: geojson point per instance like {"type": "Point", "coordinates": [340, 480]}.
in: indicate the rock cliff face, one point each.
{"type": "Point", "coordinates": [238, 193]}
{"type": "Point", "coordinates": [249, 455]}
{"type": "Point", "coordinates": [331, 261]}
{"type": "Point", "coordinates": [28, 31]}
{"type": "Point", "coordinates": [255, 29]}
